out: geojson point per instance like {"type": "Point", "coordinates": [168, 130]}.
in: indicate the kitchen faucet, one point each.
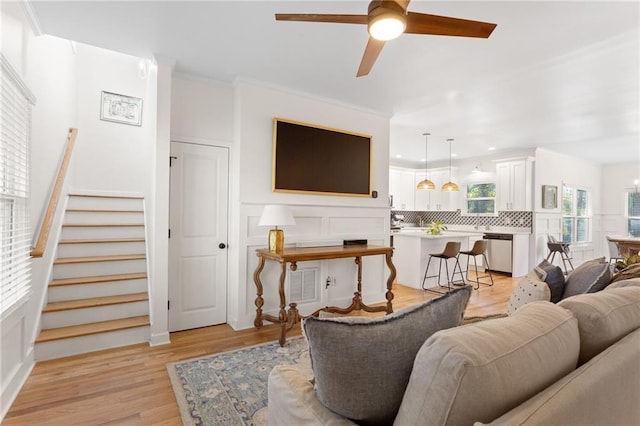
{"type": "Point", "coordinates": [477, 225]}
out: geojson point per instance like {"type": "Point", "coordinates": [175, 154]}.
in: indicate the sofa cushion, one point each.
{"type": "Point", "coordinates": [604, 318]}
{"type": "Point", "coordinates": [605, 391]}
{"type": "Point", "coordinates": [478, 372]}
{"type": "Point", "coordinates": [631, 282]}
{"type": "Point", "coordinates": [591, 276]}
{"type": "Point", "coordinates": [362, 365]}
{"type": "Point", "coordinates": [553, 276]}
{"type": "Point", "coordinates": [529, 289]}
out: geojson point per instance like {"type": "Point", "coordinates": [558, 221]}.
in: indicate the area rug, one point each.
{"type": "Point", "coordinates": [230, 388]}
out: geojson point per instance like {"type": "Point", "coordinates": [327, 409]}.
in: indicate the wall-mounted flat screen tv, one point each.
{"type": "Point", "coordinates": [308, 158]}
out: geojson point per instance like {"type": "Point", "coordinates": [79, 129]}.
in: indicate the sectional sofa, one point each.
{"type": "Point", "coordinates": [576, 362]}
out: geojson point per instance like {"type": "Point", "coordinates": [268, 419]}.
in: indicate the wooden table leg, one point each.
{"type": "Point", "coordinates": [283, 317]}
{"type": "Point", "coordinates": [259, 300]}
{"type": "Point", "coordinates": [390, 280]}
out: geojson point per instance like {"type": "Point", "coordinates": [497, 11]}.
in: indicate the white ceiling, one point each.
{"type": "Point", "coordinates": [561, 75]}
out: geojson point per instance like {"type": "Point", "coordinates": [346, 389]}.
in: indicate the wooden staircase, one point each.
{"type": "Point", "coordinates": [98, 297]}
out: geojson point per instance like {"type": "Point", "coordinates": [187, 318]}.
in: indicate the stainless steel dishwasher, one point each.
{"type": "Point", "coordinates": [500, 252]}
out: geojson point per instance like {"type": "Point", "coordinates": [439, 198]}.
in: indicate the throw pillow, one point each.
{"type": "Point", "coordinates": [631, 271]}
{"type": "Point", "coordinates": [591, 276]}
{"type": "Point", "coordinates": [362, 365]}
{"type": "Point", "coordinates": [604, 318]}
{"type": "Point", "coordinates": [529, 289]}
{"type": "Point", "coordinates": [478, 372]}
{"type": "Point", "coordinates": [553, 276]}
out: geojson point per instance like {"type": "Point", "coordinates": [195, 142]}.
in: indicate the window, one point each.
{"type": "Point", "coordinates": [576, 215]}
{"type": "Point", "coordinates": [633, 213]}
{"type": "Point", "coordinates": [481, 198]}
{"type": "Point", "coordinates": [15, 234]}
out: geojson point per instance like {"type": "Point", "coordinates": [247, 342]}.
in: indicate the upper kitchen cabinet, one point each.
{"type": "Point", "coordinates": [435, 199]}
{"type": "Point", "coordinates": [402, 188]}
{"type": "Point", "coordinates": [514, 183]}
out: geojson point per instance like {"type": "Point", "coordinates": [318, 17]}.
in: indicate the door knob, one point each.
{"type": "Point", "coordinates": [222, 245]}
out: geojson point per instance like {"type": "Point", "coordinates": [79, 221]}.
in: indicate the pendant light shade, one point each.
{"type": "Point", "coordinates": [426, 183]}
{"type": "Point", "coordinates": [450, 186]}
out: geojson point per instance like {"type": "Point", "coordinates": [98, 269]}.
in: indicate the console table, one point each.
{"type": "Point", "coordinates": [287, 318]}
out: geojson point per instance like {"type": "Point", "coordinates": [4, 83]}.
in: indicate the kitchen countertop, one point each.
{"type": "Point", "coordinates": [422, 233]}
{"type": "Point", "coordinates": [469, 230]}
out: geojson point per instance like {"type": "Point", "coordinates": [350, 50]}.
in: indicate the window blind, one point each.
{"type": "Point", "coordinates": [15, 233]}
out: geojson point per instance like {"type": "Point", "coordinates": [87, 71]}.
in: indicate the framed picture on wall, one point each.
{"type": "Point", "coordinates": [549, 197]}
{"type": "Point", "coordinates": [121, 109]}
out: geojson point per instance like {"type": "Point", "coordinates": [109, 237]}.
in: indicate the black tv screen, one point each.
{"type": "Point", "coordinates": [312, 159]}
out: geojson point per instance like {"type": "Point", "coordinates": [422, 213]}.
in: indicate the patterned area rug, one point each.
{"type": "Point", "coordinates": [230, 388]}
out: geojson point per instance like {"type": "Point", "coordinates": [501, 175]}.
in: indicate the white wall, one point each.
{"type": "Point", "coordinates": [617, 179]}
{"type": "Point", "coordinates": [318, 217]}
{"type": "Point", "coordinates": [47, 66]}
{"type": "Point", "coordinates": [240, 117]}
{"type": "Point", "coordinates": [555, 169]}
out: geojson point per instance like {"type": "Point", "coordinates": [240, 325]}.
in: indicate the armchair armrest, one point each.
{"type": "Point", "coordinates": [293, 401]}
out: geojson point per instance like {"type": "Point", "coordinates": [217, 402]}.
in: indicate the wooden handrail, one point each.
{"type": "Point", "coordinates": [47, 221]}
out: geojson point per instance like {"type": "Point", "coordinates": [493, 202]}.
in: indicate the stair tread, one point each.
{"type": "Point", "coordinates": [103, 211]}
{"type": "Point", "coordinates": [100, 225]}
{"type": "Point", "coordinates": [94, 302]}
{"type": "Point", "coordinates": [92, 328]}
{"type": "Point", "coordinates": [97, 279]}
{"type": "Point", "coordinates": [69, 260]}
{"type": "Point", "coordinates": [102, 240]}
{"type": "Point", "coordinates": [125, 197]}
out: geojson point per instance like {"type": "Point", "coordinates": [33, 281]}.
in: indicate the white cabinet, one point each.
{"type": "Point", "coordinates": [514, 181]}
{"type": "Point", "coordinates": [402, 188]}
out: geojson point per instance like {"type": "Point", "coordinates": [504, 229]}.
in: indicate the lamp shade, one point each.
{"type": "Point", "coordinates": [276, 215]}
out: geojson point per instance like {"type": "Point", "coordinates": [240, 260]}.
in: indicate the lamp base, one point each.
{"type": "Point", "coordinates": [276, 240]}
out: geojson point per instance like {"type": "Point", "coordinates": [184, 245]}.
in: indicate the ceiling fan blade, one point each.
{"type": "Point", "coordinates": [311, 17]}
{"type": "Point", "coordinates": [422, 23]}
{"type": "Point", "coordinates": [371, 52]}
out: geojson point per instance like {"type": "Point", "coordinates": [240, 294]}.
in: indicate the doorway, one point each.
{"type": "Point", "coordinates": [199, 185]}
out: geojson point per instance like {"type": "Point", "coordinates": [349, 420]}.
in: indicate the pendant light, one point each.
{"type": "Point", "coordinates": [450, 186]}
{"type": "Point", "coordinates": [426, 183]}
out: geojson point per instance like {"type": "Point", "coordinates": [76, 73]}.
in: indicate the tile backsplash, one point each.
{"type": "Point", "coordinates": [519, 219]}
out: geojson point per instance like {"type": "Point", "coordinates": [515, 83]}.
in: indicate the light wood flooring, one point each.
{"type": "Point", "coordinates": [130, 385]}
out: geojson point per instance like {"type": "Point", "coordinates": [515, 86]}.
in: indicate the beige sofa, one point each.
{"type": "Point", "coordinates": [576, 362]}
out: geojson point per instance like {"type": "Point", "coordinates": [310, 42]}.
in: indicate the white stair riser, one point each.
{"type": "Point", "coordinates": [103, 217]}
{"type": "Point", "coordinates": [91, 343]}
{"type": "Point", "coordinates": [93, 314]}
{"type": "Point", "coordinates": [106, 203]}
{"type": "Point", "coordinates": [87, 291]}
{"type": "Point", "coordinates": [77, 270]}
{"type": "Point", "coordinates": [100, 249]}
{"type": "Point", "coordinates": [98, 232]}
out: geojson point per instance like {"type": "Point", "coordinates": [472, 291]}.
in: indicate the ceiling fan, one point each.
{"type": "Point", "coordinates": [386, 20]}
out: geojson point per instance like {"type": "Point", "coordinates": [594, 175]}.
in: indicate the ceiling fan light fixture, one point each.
{"type": "Point", "coordinates": [387, 26]}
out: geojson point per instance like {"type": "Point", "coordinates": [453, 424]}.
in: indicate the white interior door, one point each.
{"type": "Point", "coordinates": [198, 236]}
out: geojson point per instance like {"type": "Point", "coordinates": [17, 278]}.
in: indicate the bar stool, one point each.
{"type": "Point", "coordinates": [479, 249]}
{"type": "Point", "coordinates": [556, 246]}
{"type": "Point", "coordinates": [451, 251]}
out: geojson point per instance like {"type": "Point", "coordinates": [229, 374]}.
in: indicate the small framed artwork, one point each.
{"type": "Point", "coordinates": [549, 196]}
{"type": "Point", "coordinates": [121, 109]}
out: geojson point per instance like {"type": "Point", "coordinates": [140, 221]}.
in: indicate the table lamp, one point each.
{"type": "Point", "coordinates": [276, 215]}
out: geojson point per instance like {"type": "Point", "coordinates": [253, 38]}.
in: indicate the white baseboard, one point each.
{"type": "Point", "coordinates": [11, 387]}
{"type": "Point", "coordinates": [160, 339]}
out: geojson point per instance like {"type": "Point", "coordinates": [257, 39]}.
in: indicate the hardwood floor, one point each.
{"type": "Point", "coordinates": [130, 385]}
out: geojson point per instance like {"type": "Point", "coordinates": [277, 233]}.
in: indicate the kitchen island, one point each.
{"type": "Point", "coordinates": [411, 254]}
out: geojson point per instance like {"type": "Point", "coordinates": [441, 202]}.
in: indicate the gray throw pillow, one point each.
{"type": "Point", "coordinates": [362, 365]}
{"type": "Point", "coordinates": [553, 276]}
{"type": "Point", "coordinates": [591, 276]}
